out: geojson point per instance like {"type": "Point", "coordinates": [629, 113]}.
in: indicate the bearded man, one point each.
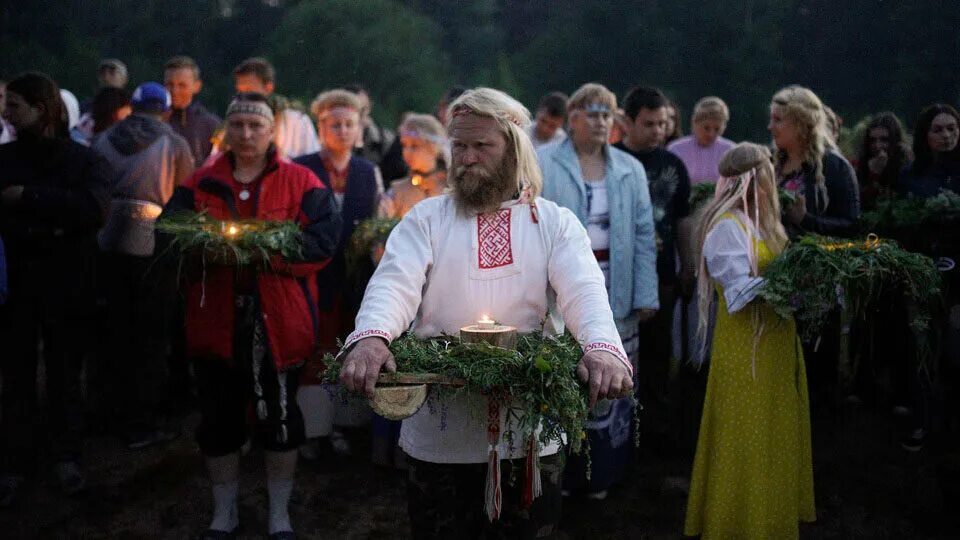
{"type": "Point", "coordinates": [491, 246]}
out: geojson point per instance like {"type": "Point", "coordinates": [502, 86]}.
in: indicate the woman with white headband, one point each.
{"type": "Point", "coordinates": [424, 143]}
{"type": "Point", "coordinates": [251, 327]}
{"type": "Point", "coordinates": [753, 471]}
{"type": "Point", "coordinates": [607, 190]}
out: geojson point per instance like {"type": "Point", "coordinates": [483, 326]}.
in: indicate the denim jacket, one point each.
{"type": "Point", "coordinates": [633, 251]}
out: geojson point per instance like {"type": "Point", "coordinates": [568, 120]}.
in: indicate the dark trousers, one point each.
{"type": "Point", "coordinates": [42, 310]}
{"type": "Point", "coordinates": [227, 389]}
{"type": "Point", "coordinates": [821, 355]}
{"type": "Point", "coordinates": [653, 366]}
{"type": "Point", "coordinates": [447, 501]}
{"type": "Point", "coordinates": [140, 299]}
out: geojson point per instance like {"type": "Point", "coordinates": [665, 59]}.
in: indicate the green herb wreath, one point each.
{"type": "Point", "coordinates": [808, 278]}
{"type": "Point", "coordinates": [240, 240]}
{"type": "Point", "coordinates": [367, 235]}
{"type": "Point", "coordinates": [894, 216]}
{"type": "Point", "coordinates": [538, 381]}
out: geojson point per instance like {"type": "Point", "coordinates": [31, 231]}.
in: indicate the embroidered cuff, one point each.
{"type": "Point", "coordinates": [357, 335]}
{"type": "Point", "coordinates": [610, 349]}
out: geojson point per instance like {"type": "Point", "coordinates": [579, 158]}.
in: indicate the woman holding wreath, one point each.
{"type": "Point", "coordinates": [250, 328]}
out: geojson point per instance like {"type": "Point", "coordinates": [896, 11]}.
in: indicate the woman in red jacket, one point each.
{"type": "Point", "coordinates": [249, 330]}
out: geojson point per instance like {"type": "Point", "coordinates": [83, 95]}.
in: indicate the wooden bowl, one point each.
{"type": "Point", "coordinates": [398, 402]}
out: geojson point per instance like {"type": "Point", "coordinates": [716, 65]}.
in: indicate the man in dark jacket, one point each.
{"type": "Point", "coordinates": [188, 117]}
{"type": "Point", "coordinates": [53, 194]}
{"type": "Point", "coordinates": [149, 162]}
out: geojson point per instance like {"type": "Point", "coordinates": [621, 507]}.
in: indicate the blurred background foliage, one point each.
{"type": "Point", "coordinates": [860, 56]}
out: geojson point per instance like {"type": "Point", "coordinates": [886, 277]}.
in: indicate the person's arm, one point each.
{"type": "Point", "coordinates": [582, 299]}
{"type": "Point", "coordinates": [646, 286]}
{"type": "Point", "coordinates": [3, 274]}
{"type": "Point", "coordinates": [683, 230]}
{"type": "Point", "coordinates": [309, 143]}
{"type": "Point", "coordinates": [320, 223]}
{"type": "Point", "coordinates": [726, 250]}
{"type": "Point", "coordinates": [394, 293]}
{"type": "Point", "coordinates": [82, 206]}
{"type": "Point", "coordinates": [184, 162]}
{"type": "Point", "coordinates": [389, 304]}
{"type": "Point", "coordinates": [581, 293]}
{"type": "Point", "coordinates": [843, 209]}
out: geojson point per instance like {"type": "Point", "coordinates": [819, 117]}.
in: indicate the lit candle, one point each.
{"type": "Point", "coordinates": [486, 323]}
{"type": "Point", "coordinates": [232, 230]}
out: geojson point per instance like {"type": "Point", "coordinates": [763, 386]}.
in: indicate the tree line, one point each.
{"type": "Point", "coordinates": [860, 56]}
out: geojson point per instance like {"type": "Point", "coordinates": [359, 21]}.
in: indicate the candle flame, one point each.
{"type": "Point", "coordinates": [416, 180]}
{"type": "Point", "coordinates": [485, 319]}
{"type": "Point", "coordinates": [232, 230]}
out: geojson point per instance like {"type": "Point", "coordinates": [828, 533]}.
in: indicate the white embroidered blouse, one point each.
{"type": "Point", "coordinates": [726, 249]}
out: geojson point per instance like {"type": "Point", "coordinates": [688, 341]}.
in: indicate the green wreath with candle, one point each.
{"type": "Point", "coordinates": [537, 383]}
{"type": "Point", "coordinates": [240, 241]}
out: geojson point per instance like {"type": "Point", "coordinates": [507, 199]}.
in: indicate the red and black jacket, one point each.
{"type": "Point", "coordinates": [287, 293]}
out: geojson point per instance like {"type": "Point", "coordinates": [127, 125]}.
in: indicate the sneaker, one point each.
{"type": "Point", "coordinates": [901, 411]}
{"type": "Point", "coordinates": [340, 444]}
{"type": "Point", "coordinates": [676, 483]}
{"type": "Point", "coordinates": [597, 495]}
{"type": "Point", "coordinates": [914, 441]}
{"type": "Point", "coordinates": [853, 399]}
{"type": "Point", "coordinates": [138, 439]}
{"type": "Point", "coordinates": [8, 490]}
{"type": "Point", "coordinates": [70, 477]}
{"type": "Point", "coordinates": [310, 450]}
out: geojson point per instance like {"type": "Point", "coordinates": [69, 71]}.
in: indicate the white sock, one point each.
{"type": "Point", "coordinates": [279, 491]}
{"type": "Point", "coordinates": [225, 515]}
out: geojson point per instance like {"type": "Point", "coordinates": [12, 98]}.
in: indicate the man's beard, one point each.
{"type": "Point", "coordinates": [477, 190]}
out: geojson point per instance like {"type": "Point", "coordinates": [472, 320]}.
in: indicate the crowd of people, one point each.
{"type": "Point", "coordinates": [580, 211]}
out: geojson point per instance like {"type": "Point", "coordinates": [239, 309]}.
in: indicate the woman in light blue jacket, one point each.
{"type": "Point", "coordinates": [607, 190]}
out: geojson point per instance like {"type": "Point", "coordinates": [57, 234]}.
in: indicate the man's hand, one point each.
{"type": "Point", "coordinates": [606, 374]}
{"type": "Point", "coordinates": [646, 314]}
{"type": "Point", "coordinates": [798, 210]}
{"type": "Point", "coordinates": [362, 366]}
{"type": "Point", "coordinates": [11, 195]}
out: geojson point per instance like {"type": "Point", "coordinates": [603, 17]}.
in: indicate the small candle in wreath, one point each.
{"type": "Point", "coordinates": [489, 331]}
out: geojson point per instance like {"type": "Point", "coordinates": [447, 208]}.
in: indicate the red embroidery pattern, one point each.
{"type": "Point", "coordinates": [609, 348]}
{"type": "Point", "coordinates": [353, 338]}
{"type": "Point", "coordinates": [493, 235]}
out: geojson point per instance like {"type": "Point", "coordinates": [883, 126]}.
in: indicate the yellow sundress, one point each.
{"type": "Point", "coordinates": [753, 470]}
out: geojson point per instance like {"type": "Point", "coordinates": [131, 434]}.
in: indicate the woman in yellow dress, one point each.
{"type": "Point", "coordinates": [753, 472]}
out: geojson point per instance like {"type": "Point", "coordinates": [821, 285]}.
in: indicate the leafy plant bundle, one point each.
{"type": "Point", "coordinates": [811, 275]}
{"type": "Point", "coordinates": [537, 383]}
{"type": "Point", "coordinates": [700, 195]}
{"type": "Point", "coordinates": [899, 215]}
{"type": "Point", "coordinates": [367, 235]}
{"type": "Point", "coordinates": [240, 241]}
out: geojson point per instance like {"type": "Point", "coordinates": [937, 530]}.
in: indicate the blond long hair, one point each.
{"type": "Point", "coordinates": [513, 119]}
{"type": "Point", "coordinates": [802, 107]}
{"type": "Point", "coordinates": [748, 183]}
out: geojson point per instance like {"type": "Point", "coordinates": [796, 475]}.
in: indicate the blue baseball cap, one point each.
{"type": "Point", "coordinates": [150, 97]}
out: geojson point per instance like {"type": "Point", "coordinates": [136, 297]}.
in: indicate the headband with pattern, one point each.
{"type": "Point", "coordinates": [462, 111]}
{"type": "Point", "coordinates": [258, 108]}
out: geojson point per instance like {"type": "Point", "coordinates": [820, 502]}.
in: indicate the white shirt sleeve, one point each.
{"type": "Point", "coordinates": [395, 291]}
{"type": "Point", "coordinates": [581, 294]}
{"type": "Point", "coordinates": [726, 250]}
{"type": "Point", "coordinates": [309, 144]}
